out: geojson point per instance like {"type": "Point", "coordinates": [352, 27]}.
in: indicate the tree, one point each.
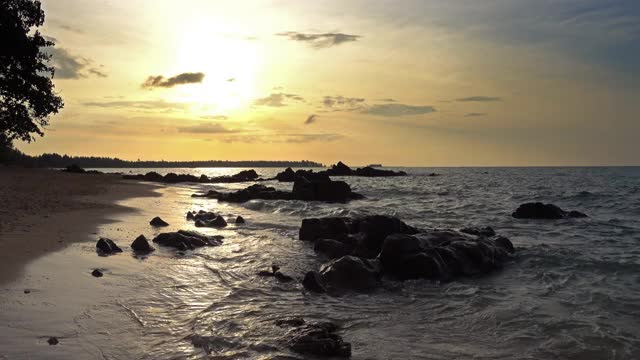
{"type": "Point", "coordinates": [27, 96]}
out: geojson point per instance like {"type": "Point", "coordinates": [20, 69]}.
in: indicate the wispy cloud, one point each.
{"type": "Point", "coordinates": [392, 110]}
{"type": "Point", "coordinates": [214, 117]}
{"type": "Point", "coordinates": [342, 103]}
{"type": "Point", "coordinates": [479, 99]}
{"type": "Point", "coordinates": [311, 119]}
{"type": "Point", "coordinates": [207, 128]}
{"type": "Point", "coordinates": [278, 99]}
{"type": "Point", "coordinates": [69, 66]}
{"type": "Point", "coordinates": [475, 114]}
{"type": "Point", "coordinates": [320, 40]}
{"type": "Point", "coordinates": [282, 138]}
{"type": "Point", "coordinates": [181, 79]}
{"type": "Point", "coordinates": [159, 105]}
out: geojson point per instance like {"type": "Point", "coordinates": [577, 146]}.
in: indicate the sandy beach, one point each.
{"type": "Point", "coordinates": [45, 210]}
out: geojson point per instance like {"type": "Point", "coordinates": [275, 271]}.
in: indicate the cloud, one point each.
{"type": "Point", "coordinates": [320, 41]}
{"type": "Point", "coordinates": [341, 103]}
{"type": "Point", "coordinates": [159, 105]}
{"type": "Point", "coordinates": [391, 110]}
{"type": "Point", "coordinates": [475, 114]}
{"type": "Point", "coordinates": [282, 138]}
{"type": "Point", "coordinates": [214, 117]}
{"type": "Point", "coordinates": [278, 99]}
{"type": "Point", "coordinates": [181, 79]}
{"type": "Point", "coordinates": [69, 66]}
{"type": "Point", "coordinates": [207, 128]}
{"type": "Point", "coordinates": [311, 119]}
{"type": "Point", "coordinates": [480, 99]}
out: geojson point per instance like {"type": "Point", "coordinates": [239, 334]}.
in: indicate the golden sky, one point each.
{"type": "Point", "coordinates": [424, 82]}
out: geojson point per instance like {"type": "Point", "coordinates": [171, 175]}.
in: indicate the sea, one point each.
{"type": "Point", "coordinates": [572, 291]}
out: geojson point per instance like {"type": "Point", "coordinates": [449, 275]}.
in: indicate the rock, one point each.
{"type": "Point", "coordinates": [333, 249]}
{"type": "Point", "coordinates": [53, 340]}
{"type": "Point", "coordinates": [27, 291]}
{"type": "Point", "coordinates": [187, 240]}
{"type": "Point", "coordinates": [539, 210]}
{"type": "Point", "coordinates": [286, 176]}
{"type": "Point", "coordinates": [141, 245]}
{"type": "Point", "coordinates": [339, 169]}
{"type": "Point", "coordinates": [106, 246]}
{"type": "Point", "coordinates": [282, 277]}
{"type": "Point", "coordinates": [359, 236]}
{"type": "Point", "coordinates": [442, 255]}
{"type": "Point", "coordinates": [317, 339]}
{"type": "Point", "coordinates": [74, 168]}
{"type": "Point", "coordinates": [96, 273]}
{"type": "Point", "coordinates": [313, 282]}
{"type": "Point", "coordinates": [328, 191]}
{"type": "Point", "coordinates": [325, 228]}
{"type": "Point", "coordinates": [350, 273]}
{"type": "Point", "coordinates": [289, 322]}
{"type": "Point", "coordinates": [485, 231]}
{"type": "Point", "coordinates": [218, 221]}
{"type": "Point", "coordinates": [303, 189]}
{"type": "Point", "coordinates": [240, 220]}
{"type": "Point", "coordinates": [158, 222]}
{"type": "Point", "coordinates": [372, 172]}
{"type": "Point", "coordinates": [191, 216]}
{"type": "Point", "coordinates": [242, 176]}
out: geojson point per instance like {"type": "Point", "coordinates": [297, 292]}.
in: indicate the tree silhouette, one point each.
{"type": "Point", "coordinates": [27, 96]}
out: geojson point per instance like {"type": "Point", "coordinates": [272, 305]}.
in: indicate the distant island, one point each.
{"type": "Point", "coordinates": [16, 157]}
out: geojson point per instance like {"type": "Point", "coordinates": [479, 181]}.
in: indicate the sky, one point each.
{"type": "Point", "coordinates": [404, 83]}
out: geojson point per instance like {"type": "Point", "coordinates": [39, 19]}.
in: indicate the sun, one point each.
{"type": "Point", "coordinates": [230, 64]}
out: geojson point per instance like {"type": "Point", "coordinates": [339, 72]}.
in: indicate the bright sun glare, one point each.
{"type": "Point", "coordinates": [231, 66]}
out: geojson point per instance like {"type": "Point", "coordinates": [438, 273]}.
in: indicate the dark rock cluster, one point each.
{"type": "Point", "coordinates": [538, 210]}
{"type": "Point", "coordinates": [339, 169]}
{"type": "Point", "coordinates": [206, 219]}
{"type": "Point", "coordinates": [187, 240]}
{"type": "Point", "coordinates": [242, 176]}
{"type": "Point", "coordinates": [314, 338]}
{"type": "Point", "coordinates": [303, 189]}
{"type": "Point", "coordinates": [366, 249]}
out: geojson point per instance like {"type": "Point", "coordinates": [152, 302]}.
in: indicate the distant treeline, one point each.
{"type": "Point", "coordinates": [12, 156]}
{"type": "Point", "coordinates": [60, 161]}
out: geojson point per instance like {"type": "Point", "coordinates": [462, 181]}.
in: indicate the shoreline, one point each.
{"type": "Point", "coordinates": [36, 220]}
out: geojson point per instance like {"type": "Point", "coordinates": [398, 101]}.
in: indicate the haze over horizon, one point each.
{"type": "Point", "coordinates": [411, 83]}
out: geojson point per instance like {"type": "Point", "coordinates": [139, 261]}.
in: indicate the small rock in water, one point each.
{"type": "Point", "coordinates": [141, 245]}
{"type": "Point", "coordinates": [240, 220]}
{"type": "Point", "coordinates": [27, 291]}
{"type": "Point", "coordinates": [53, 340]}
{"type": "Point", "coordinates": [96, 273]}
{"type": "Point", "coordinates": [316, 339]}
{"type": "Point", "coordinates": [282, 277]}
{"type": "Point", "coordinates": [157, 221]}
{"type": "Point", "coordinates": [106, 246]}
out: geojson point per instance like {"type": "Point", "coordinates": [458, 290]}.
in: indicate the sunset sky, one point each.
{"type": "Point", "coordinates": [425, 82]}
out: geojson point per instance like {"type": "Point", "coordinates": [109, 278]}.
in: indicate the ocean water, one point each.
{"type": "Point", "coordinates": [572, 291]}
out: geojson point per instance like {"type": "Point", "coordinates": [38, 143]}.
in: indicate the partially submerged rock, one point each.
{"type": "Point", "coordinates": [538, 210]}
{"type": "Point", "coordinates": [339, 169]}
{"type": "Point", "coordinates": [53, 340]}
{"type": "Point", "coordinates": [401, 252]}
{"type": "Point", "coordinates": [242, 176]}
{"type": "Point", "coordinates": [275, 273]}
{"type": "Point", "coordinates": [187, 240]}
{"type": "Point", "coordinates": [141, 245]}
{"type": "Point", "coordinates": [158, 222]}
{"type": "Point", "coordinates": [303, 189]}
{"type": "Point", "coordinates": [207, 219]}
{"type": "Point", "coordinates": [352, 236]}
{"type": "Point", "coordinates": [345, 273]}
{"type": "Point", "coordinates": [96, 273]}
{"type": "Point", "coordinates": [240, 220]}
{"type": "Point", "coordinates": [314, 339]}
{"type": "Point", "coordinates": [106, 246]}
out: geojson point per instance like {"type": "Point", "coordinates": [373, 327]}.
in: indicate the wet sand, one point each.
{"type": "Point", "coordinates": [43, 211]}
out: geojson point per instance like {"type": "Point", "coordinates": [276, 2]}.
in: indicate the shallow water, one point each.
{"type": "Point", "coordinates": [573, 291]}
